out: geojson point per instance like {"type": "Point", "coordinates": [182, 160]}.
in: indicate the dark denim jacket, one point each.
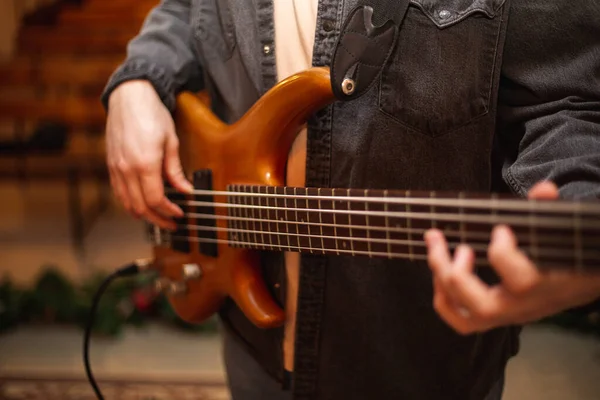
{"type": "Point", "coordinates": [484, 96]}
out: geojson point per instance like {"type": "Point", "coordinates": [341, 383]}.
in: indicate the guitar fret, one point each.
{"type": "Point", "coordinates": [246, 214]}
{"type": "Point", "coordinates": [247, 225]}
{"type": "Point", "coordinates": [276, 216]}
{"type": "Point", "coordinates": [432, 210]}
{"type": "Point", "coordinates": [387, 226]}
{"type": "Point", "coordinates": [350, 223]}
{"type": "Point", "coordinates": [233, 212]}
{"type": "Point", "coordinates": [262, 242]}
{"type": "Point", "coordinates": [241, 234]}
{"type": "Point", "coordinates": [260, 214]}
{"type": "Point", "coordinates": [287, 228]}
{"type": "Point", "coordinates": [408, 225]}
{"type": "Point", "coordinates": [238, 213]}
{"type": "Point", "coordinates": [321, 221]}
{"type": "Point", "coordinates": [309, 225]}
{"type": "Point", "coordinates": [252, 198]}
{"type": "Point", "coordinates": [335, 223]}
{"type": "Point", "coordinates": [269, 225]}
{"type": "Point", "coordinates": [368, 231]}
{"type": "Point", "coordinates": [461, 198]}
{"type": "Point", "coordinates": [230, 220]}
{"type": "Point", "coordinates": [264, 220]}
{"type": "Point", "coordinates": [297, 219]}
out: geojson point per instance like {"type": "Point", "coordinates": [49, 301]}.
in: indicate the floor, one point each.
{"type": "Point", "coordinates": [553, 364]}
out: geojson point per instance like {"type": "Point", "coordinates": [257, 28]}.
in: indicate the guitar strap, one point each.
{"type": "Point", "coordinates": [365, 44]}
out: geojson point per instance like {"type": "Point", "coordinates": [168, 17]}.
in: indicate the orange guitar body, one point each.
{"type": "Point", "coordinates": [254, 150]}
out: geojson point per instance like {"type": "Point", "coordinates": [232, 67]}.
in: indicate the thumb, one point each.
{"type": "Point", "coordinates": [173, 168]}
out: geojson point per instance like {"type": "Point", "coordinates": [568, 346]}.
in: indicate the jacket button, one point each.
{"type": "Point", "coordinates": [266, 49]}
{"type": "Point", "coordinates": [328, 25]}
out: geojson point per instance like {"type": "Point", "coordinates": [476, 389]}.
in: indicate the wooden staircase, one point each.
{"type": "Point", "coordinates": [65, 55]}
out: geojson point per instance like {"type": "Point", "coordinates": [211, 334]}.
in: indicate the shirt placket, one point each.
{"type": "Point", "coordinates": [266, 29]}
{"type": "Point", "coordinates": [314, 268]}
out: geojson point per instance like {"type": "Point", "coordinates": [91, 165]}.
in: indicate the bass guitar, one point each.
{"type": "Point", "coordinates": [249, 197]}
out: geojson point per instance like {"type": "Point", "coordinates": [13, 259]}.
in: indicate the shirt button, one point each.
{"type": "Point", "coordinates": [444, 14]}
{"type": "Point", "coordinates": [328, 25]}
{"type": "Point", "coordinates": [266, 49]}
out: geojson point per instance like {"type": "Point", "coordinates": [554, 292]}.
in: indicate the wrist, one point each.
{"type": "Point", "coordinates": [134, 86]}
{"type": "Point", "coordinates": [143, 73]}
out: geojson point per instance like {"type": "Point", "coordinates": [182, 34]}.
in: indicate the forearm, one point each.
{"type": "Point", "coordinates": [549, 105]}
{"type": "Point", "coordinates": [162, 53]}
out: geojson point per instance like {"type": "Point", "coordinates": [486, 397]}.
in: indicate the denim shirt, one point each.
{"type": "Point", "coordinates": [479, 95]}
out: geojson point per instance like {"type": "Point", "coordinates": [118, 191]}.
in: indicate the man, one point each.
{"type": "Point", "coordinates": [477, 96]}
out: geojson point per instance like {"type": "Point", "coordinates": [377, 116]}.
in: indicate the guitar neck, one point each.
{"type": "Point", "coordinates": [391, 224]}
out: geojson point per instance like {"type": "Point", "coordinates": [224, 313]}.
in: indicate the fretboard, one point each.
{"type": "Point", "coordinates": [378, 223]}
{"type": "Point", "coordinates": [390, 224]}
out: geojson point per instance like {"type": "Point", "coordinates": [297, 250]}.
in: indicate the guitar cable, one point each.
{"type": "Point", "coordinates": [127, 270]}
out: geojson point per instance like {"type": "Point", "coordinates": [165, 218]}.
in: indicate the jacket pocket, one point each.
{"type": "Point", "coordinates": [440, 75]}
{"type": "Point", "coordinates": [213, 28]}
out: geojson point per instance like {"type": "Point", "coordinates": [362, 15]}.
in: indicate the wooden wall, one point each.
{"type": "Point", "coordinates": [11, 13]}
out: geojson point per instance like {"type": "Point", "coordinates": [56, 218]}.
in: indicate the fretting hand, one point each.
{"type": "Point", "coordinates": [524, 294]}
{"type": "Point", "coordinates": [141, 147]}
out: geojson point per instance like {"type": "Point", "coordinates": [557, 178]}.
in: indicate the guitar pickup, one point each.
{"type": "Point", "coordinates": [206, 222]}
{"type": "Point", "coordinates": [179, 239]}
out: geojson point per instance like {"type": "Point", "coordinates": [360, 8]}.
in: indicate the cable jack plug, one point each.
{"type": "Point", "coordinates": [139, 265]}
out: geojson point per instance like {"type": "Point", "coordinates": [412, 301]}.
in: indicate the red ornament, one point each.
{"type": "Point", "coordinates": [142, 301]}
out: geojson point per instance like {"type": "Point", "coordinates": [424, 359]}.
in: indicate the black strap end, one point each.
{"type": "Point", "coordinates": [362, 51]}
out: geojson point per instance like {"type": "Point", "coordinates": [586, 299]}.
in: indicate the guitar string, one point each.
{"type": "Point", "coordinates": [545, 238]}
{"type": "Point", "coordinates": [512, 204]}
{"type": "Point", "coordinates": [298, 248]}
{"type": "Point", "coordinates": [550, 251]}
{"type": "Point", "coordinates": [539, 221]}
{"type": "Point", "coordinates": [393, 254]}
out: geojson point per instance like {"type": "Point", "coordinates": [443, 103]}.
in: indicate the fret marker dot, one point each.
{"type": "Point", "coordinates": [344, 244]}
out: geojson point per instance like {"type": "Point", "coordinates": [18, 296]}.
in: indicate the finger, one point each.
{"type": "Point", "coordinates": [119, 189]}
{"type": "Point", "coordinates": [154, 193]}
{"type": "Point", "coordinates": [173, 168]}
{"type": "Point", "coordinates": [139, 206]}
{"type": "Point", "coordinates": [545, 190]}
{"type": "Point", "coordinates": [438, 256]}
{"type": "Point", "coordinates": [148, 213]}
{"type": "Point", "coordinates": [449, 312]}
{"type": "Point", "coordinates": [518, 274]}
{"type": "Point", "coordinates": [466, 289]}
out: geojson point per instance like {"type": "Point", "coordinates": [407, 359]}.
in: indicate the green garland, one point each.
{"type": "Point", "coordinates": [53, 299]}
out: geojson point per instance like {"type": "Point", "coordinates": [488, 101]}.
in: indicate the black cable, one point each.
{"type": "Point", "coordinates": [127, 270]}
